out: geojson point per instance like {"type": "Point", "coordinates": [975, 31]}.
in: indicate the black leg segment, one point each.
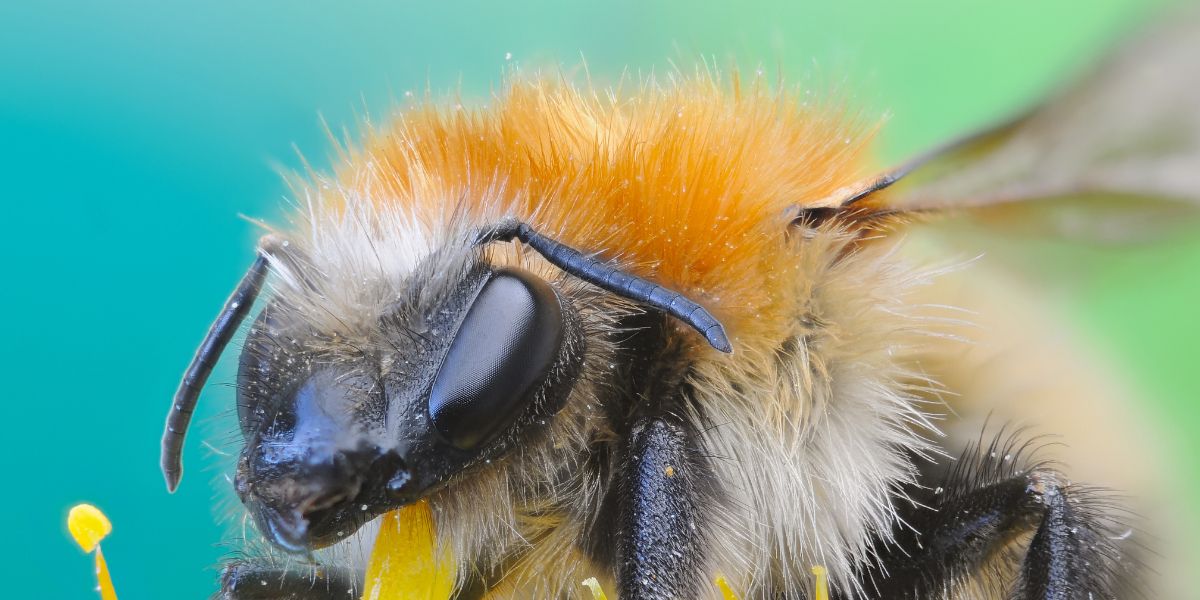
{"type": "Point", "coordinates": [1071, 556]}
{"type": "Point", "coordinates": [247, 581]}
{"type": "Point", "coordinates": [661, 515]}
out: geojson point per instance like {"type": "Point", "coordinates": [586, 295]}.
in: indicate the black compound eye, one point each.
{"type": "Point", "coordinates": [262, 371]}
{"type": "Point", "coordinates": [501, 354]}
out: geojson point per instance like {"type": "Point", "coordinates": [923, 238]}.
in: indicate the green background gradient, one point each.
{"type": "Point", "coordinates": [134, 132]}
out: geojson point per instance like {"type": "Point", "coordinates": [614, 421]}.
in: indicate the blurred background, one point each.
{"type": "Point", "coordinates": [135, 132]}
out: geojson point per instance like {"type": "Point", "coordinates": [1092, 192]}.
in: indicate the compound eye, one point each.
{"type": "Point", "coordinates": [500, 355]}
{"type": "Point", "coordinates": [259, 372]}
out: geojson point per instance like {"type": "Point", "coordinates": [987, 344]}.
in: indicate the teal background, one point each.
{"type": "Point", "coordinates": [134, 133]}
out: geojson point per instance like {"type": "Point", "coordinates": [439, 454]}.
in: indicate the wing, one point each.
{"type": "Point", "coordinates": [1116, 156]}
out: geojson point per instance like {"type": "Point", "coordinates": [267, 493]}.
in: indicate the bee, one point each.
{"type": "Point", "coordinates": [660, 337]}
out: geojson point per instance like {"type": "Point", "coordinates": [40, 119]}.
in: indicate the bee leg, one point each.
{"type": "Point", "coordinates": [661, 524]}
{"type": "Point", "coordinates": [247, 581]}
{"type": "Point", "coordinates": [1072, 553]}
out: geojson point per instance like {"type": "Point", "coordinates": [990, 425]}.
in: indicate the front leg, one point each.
{"type": "Point", "coordinates": [248, 581]}
{"type": "Point", "coordinates": [664, 485]}
{"type": "Point", "coordinates": [973, 527]}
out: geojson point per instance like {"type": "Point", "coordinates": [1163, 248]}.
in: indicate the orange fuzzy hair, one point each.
{"type": "Point", "coordinates": [690, 184]}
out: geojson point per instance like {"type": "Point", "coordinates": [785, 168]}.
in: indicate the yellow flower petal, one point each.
{"type": "Point", "coordinates": [404, 564]}
{"type": "Point", "coordinates": [88, 526]}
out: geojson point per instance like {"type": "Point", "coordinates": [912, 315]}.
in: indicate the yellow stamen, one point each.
{"type": "Point", "coordinates": [726, 591]}
{"type": "Point", "coordinates": [404, 564]}
{"type": "Point", "coordinates": [597, 591]}
{"type": "Point", "coordinates": [88, 526]}
{"type": "Point", "coordinates": [103, 578]}
{"type": "Point", "coordinates": [822, 582]}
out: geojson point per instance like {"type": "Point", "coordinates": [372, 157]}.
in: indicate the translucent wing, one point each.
{"type": "Point", "coordinates": [1127, 133]}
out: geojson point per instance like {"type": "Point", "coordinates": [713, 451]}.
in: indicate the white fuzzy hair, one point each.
{"type": "Point", "coordinates": [816, 439]}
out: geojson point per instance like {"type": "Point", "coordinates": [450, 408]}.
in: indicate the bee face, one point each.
{"type": "Point", "coordinates": [339, 431]}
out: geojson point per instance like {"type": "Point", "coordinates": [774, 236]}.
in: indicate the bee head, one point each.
{"type": "Point", "coordinates": [340, 431]}
{"type": "Point", "coordinates": [361, 390]}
